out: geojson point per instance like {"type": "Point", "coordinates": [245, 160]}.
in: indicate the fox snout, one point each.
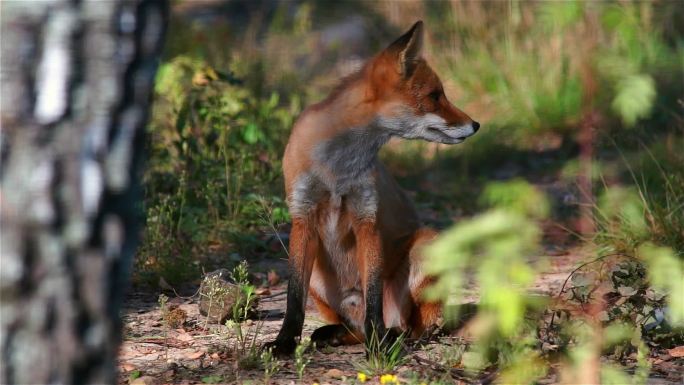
{"type": "Point", "coordinates": [460, 133]}
{"type": "Point", "coordinates": [436, 129]}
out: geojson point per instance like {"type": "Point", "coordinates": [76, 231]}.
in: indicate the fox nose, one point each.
{"type": "Point", "coordinates": [476, 126]}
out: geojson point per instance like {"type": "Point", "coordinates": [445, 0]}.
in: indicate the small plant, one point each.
{"type": "Point", "coordinates": [133, 375]}
{"type": "Point", "coordinates": [270, 365]}
{"type": "Point", "coordinates": [301, 361]}
{"type": "Point", "coordinates": [246, 347]}
{"type": "Point", "coordinates": [240, 273]}
{"type": "Point", "coordinates": [383, 355]}
{"type": "Point", "coordinates": [245, 298]}
{"type": "Point", "coordinates": [216, 292]}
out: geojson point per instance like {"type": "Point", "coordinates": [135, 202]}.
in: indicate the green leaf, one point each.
{"type": "Point", "coordinates": [634, 98]}
{"type": "Point", "coordinates": [516, 195]}
{"type": "Point", "coordinates": [561, 14]}
{"type": "Point", "coordinates": [134, 374]}
{"type": "Point", "coordinates": [666, 272]}
{"type": "Point", "coordinates": [611, 375]}
{"type": "Point", "coordinates": [251, 133]}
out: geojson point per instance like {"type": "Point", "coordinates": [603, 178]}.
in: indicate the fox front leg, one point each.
{"type": "Point", "coordinates": [303, 246]}
{"type": "Point", "coordinates": [369, 259]}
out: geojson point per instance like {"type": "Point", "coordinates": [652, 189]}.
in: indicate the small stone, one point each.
{"type": "Point", "coordinates": [218, 295]}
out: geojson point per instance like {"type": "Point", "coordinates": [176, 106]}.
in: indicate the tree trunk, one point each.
{"type": "Point", "coordinates": [77, 80]}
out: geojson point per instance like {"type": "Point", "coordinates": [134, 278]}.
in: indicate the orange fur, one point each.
{"type": "Point", "coordinates": [351, 221]}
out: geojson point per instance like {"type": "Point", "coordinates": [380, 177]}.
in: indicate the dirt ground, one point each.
{"type": "Point", "coordinates": [198, 352]}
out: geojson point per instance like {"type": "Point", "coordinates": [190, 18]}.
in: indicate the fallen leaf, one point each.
{"type": "Point", "coordinates": [144, 380]}
{"type": "Point", "coordinates": [263, 291]}
{"type": "Point", "coordinates": [335, 373]}
{"type": "Point", "coordinates": [676, 352]}
{"type": "Point", "coordinates": [627, 291]}
{"type": "Point", "coordinates": [144, 349]}
{"type": "Point", "coordinates": [194, 355]}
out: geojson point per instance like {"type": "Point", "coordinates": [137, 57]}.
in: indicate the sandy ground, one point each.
{"type": "Point", "coordinates": [198, 352]}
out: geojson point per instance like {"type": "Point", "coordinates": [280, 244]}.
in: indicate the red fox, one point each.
{"type": "Point", "coordinates": [356, 238]}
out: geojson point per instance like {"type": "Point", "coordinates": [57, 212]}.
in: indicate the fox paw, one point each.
{"type": "Point", "coordinates": [281, 347]}
{"type": "Point", "coordinates": [330, 335]}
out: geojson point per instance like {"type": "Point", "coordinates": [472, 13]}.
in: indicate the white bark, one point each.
{"type": "Point", "coordinates": [76, 83]}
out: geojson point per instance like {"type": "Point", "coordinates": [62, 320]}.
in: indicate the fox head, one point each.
{"type": "Point", "coordinates": [409, 96]}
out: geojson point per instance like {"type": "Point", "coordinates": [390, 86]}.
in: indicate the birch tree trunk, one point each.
{"type": "Point", "coordinates": [77, 80]}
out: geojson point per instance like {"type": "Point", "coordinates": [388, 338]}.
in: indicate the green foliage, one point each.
{"type": "Point", "coordinates": [634, 96]}
{"type": "Point", "coordinates": [621, 217]}
{"type": "Point", "coordinates": [246, 300]}
{"type": "Point", "coordinates": [517, 196]}
{"type": "Point", "coordinates": [626, 291]}
{"type": "Point", "coordinates": [246, 347]}
{"type": "Point", "coordinates": [645, 222]}
{"type": "Point", "coordinates": [494, 247]}
{"type": "Point", "coordinates": [270, 365]}
{"type": "Point", "coordinates": [383, 354]}
{"type": "Point", "coordinates": [541, 72]}
{"type": "Point", "coordinates": [133, 375]}
{"type": "Point", "coordinates": [215, 157]}
{"type": "Point", "coordinates": [561, 15]}
{"type": "Point", "coordinates": [666, 273]}
{"type": "Point", "coordinates": [301, 360]}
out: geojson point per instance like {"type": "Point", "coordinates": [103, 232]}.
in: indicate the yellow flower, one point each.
{"type": "Point", "coordinates": [362, 377]}
{"type": "Point", "coordinates": [389, 379]}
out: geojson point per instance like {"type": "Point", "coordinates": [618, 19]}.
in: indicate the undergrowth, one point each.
{"type": "Point", "coordinates": [215, 160]}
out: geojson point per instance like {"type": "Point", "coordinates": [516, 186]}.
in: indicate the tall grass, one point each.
{"type": "Point", "coordinates": [651, 207]}
{"type": "Point", "coordinates": [537, 67]}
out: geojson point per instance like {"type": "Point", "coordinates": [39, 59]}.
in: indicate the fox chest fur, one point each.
{"type": "Point", "coordinates": [340, 187]}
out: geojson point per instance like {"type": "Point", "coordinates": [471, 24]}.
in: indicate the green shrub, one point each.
{"type": "Point", "coordinates": [215, 159]}
{"type": "Point", "coordinates": [614, 303]}
{"type": "Point", "coordinates": [538, 68]}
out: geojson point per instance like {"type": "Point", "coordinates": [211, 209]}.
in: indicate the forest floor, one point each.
{"type": "Point", "coordinates": [198, 352]}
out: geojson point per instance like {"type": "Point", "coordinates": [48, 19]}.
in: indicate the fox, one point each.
{"type": "Point", "coordinates": [356, 239]}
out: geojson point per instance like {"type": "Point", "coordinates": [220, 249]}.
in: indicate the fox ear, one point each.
{"type": "Point", "coordinates": [408, 49]}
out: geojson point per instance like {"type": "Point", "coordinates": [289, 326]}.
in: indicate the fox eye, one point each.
{"type": "Point", "coordinates": [435, 95]}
